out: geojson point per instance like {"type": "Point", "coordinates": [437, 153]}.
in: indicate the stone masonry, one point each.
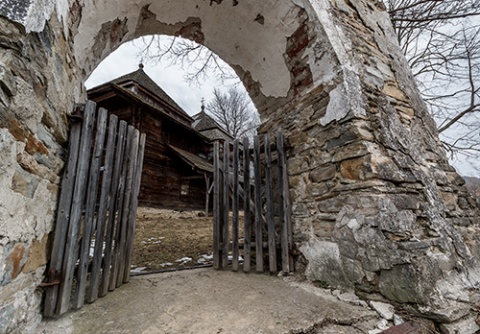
{"type": "Point", "coordinates": [376, 207]}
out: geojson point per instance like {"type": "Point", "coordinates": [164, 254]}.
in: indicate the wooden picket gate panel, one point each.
{"type": "Point", "coordinates": [267, 229]}
{"type": "Point", "coordinates": [96, 212]}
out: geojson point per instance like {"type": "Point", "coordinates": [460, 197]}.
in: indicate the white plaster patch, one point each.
{"type": "Point", "coordinates": [230, 31]}
{"type": "Point", "coordinates": [38, 13]}
{"type": "Point", "coordinates": [385, 310]}
{"type": "Point", "coordinates": [62, 7]}
{"type": "Point", "coordinates": [318, 253]}
{"type": "Point", "coordinates": [314, 249]}
{"type": "Point", "coordinates": [341, 45]}
{"type": "Point", "coordinates": [338, 107]}
{"type": "Point", "coordinates": [353, 224]}
{"type": "Point", "coordinates": [8, 152]}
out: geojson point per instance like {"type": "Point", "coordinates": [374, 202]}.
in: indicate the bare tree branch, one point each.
{"type": "Point", "coordinates": [198, 61]}
{"type": "Point", "coordinates": [441, 40]}
{"type": "Point", "coordinates": [234, 111]}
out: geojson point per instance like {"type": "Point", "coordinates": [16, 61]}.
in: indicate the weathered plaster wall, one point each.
{"type": "Point", "coordinates": [376, 206]}
{"type": "Point", "coordinates": [34, 71]}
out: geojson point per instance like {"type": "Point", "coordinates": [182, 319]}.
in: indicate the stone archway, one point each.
{"type": "Point", "coordinates": [376, 206]}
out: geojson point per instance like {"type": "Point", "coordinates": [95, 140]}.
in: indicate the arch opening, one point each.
{"type": "Point", "coordinates": [174, 221]}
{"type": "Point", "coordinates": [365, 163]}
{"type": "Point", "coordinates": [253, 46]}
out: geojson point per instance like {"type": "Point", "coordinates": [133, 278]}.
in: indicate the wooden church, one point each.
{"type": "Point", "coordinates": [177, 170]}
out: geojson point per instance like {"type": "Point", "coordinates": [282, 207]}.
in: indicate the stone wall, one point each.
{"type": "Point", "coordinates": [376, 206]}
{"type": "Point", "coordinates": [34, 72]}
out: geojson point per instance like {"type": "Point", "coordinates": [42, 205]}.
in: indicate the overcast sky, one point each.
{"type": "Point", "coordinates": [189, 96]}
{"type": "Point", "coordinates": [170, 78]}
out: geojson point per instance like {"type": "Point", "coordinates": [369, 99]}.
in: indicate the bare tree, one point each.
{"type": "Point", "coordinates": [234, 111]}
{"type": "Point", "coordinates": [441, 41]}
{"type": "Point", "coordinates": [197, 60]}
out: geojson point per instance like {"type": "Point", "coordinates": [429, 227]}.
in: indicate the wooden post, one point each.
{"type": "Point", "coordinates": [117, 249]}
{"type": "Point", "coordinates": [112, 210]}
{"type": "Point", "coordinates": [225, 238]}
{"type": "Point", "coordinates": [216, 205]}
{"type": "Point", "coordinates": [207, 192]}
{"type": "Point", "coordinates": [132, 160]}
{"type": "Point", "coordinates": [272, 252]}
{"type": "Point", "coordinates": [78, 200]}
{"type": "Point", "coordinates": [258, 206]}
{"type": "Point", "coordinates": [247, 222]}
{"type": "Point", "coordinates": [92, 294]}
{"type": "Point", "coordinates": [137, 178]}
{"type": "Point", "coordinates": [63, 217]}
{"type": "Point", "coordinates": [84, 256]}
{"type": "Point", "coordinates": [235, 198]}
{"type": "Point", "coordinates": [283, 204]}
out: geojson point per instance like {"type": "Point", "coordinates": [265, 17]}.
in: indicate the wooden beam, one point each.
{"type": "Point", "coordinates": [225, 208]}
{"type": "Point", "coordinates": [216, 205]}
{"type": "Point", "coordinates": [132, 161]}
{"type": "Point", "coordinates": [112, 209]}
{"type": "Point", "coordinates": [62, 222]}
{"type": "Point", "coordinates": [78, 201]}
{"type": "Point", "coordinates": [272, 250]}
{"type": "Point", "coordinates": [286, 243]}
{"type": "Point", "coordinates": [247, 220]}
{"type": "Point", "coordinates": [258, 206]}
{"type": "Point", "coordinates": [235, 199]}
{"type": "Point", "coordinates": [193, 177]}
{"type": "Point", "coordinates": [84, 256]}
{"type": "Point", "coordinates": [207, 193]}
{"type": "Point", "coordinates": [137, 178]}
{"type": "Point", "coordinates": [103, 205]}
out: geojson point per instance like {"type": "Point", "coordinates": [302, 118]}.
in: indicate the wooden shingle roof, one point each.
{"type": "Point", "coordinates": [193, 160]}
{"type": "Point", "coordinates": [140, 77]}
{"type": "Point", "coordinates": [206, 125]}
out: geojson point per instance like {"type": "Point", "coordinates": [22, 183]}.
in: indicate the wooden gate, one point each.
{"type": "Point", "coordinates": [258, 180]}
{"type": "Point", "coordinates": [95, 220]}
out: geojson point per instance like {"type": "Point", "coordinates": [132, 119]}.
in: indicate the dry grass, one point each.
{"type": "Point", "coordinates": [165, 236]}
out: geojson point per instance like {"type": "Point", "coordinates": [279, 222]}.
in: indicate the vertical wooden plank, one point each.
{"type": "Point", "coordinates": [226, 186]}
{"type": "Point", "coordinates": [112, 210]}
{"type": "Point", "coordinates": [84, 258]}
{"type": "Point", "coordinates": [258, 206]}
{"type": "Point", "coordinates": [132, 160]}
{"type": "Point", "coordinates": [216, 205]}
{"type": "Point", "coordinates": [283, 205]}
{"type": "Point", "coordinates": [116, 257]}
{"type": "Point", "coordinates": [78, 201]}
{"type": "Point", "coordinates": [247, 218]}
{"type": "Point", "coordinates": [207, 193]}
{"type": "Point", "coordinates": [133, 208]}
{"type": "Point", "coordinates": [63, 216]}
{"type": "Point", "coordinates": [235, 199]}
{"type": "Point", "coordinates": [272, 251]}
{"type": "Point", "coordinates": [288, 210]}
{"type": "Point", "coordinates": [102, 209]}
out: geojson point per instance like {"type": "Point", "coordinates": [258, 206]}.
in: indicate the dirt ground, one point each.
{"type": "Point", "coordinates": [206, 301]}
{"type": "Point", "coordinates": [167, 239]}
